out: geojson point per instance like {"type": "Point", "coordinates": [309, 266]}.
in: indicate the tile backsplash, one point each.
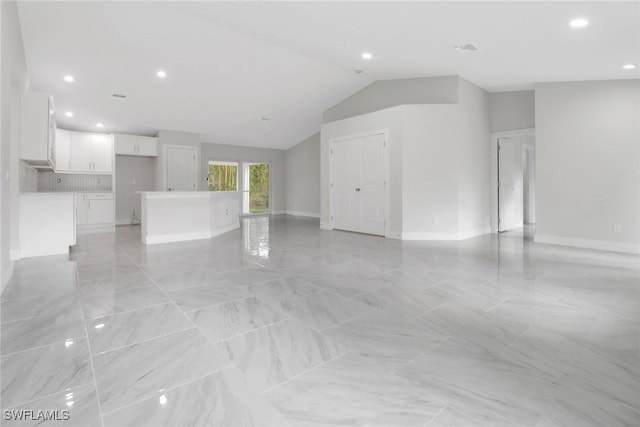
{"type": "Point", "coordinates": [51, 181]}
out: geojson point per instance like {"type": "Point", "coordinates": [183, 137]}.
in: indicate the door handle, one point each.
{"type": "Point", "coordinates": [169, 188]}
{"type": "Point", "coordinates": [357, 189]}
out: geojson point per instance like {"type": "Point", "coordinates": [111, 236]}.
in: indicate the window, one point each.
{"type": "Point", "coordinates": [223, 176]}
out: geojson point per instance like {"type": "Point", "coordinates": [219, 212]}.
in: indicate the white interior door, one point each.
{"type": "Point", "coordinates": [358, 184]}
{"type": "Point", "coordinates": [510, 185]}
{"type": "Point", "coordinates": [181, 168]}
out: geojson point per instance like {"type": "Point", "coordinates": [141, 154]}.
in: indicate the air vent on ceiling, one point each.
{"type": "Point", "coordinates": [119, 97]}
{"type": "Point", "coordinates": [464, 48]}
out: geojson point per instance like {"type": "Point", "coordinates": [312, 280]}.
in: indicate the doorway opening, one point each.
{"type": "Point", "coordinates": [515, 181]}
{"type": "Point", "coordinates": [256, 186]}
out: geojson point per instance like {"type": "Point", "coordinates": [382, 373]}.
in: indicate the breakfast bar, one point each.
{"type": "Point", "coordinates": [175, 216]}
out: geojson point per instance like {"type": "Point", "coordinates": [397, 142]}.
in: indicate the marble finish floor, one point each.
{"type": "Point", "coordinates": [281, 324]}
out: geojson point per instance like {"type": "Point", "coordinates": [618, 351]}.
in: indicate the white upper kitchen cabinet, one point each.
{"type": "Point", "coordinates": [135, 145]}
{"type": "Point", "coordinates": [81, 160]}
{"type": "Point", "coordinates": [37, 129]}
{"type": "Point", "coordinates": [147, 146]}
{"type": "Point", "coordinates": [125, 144]}
{"type": "Point", "coordinates": [102, 153]}
{"type": "Point", "coordinates": [91, 153]}
{"type": "Point", "coordinates": [63, 150]}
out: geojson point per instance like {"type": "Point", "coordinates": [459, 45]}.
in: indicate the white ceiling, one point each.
{"type": "Point", "coordinates": [230, 64]}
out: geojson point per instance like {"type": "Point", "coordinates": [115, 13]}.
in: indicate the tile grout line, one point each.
{"type": "Point", "coordinates": [93, 373]}
{"type": "Point", "coordinates": [47, 395]}
{"type": "Point", "coordinates": [436, 415]}
{"type": "Point", "coordinates": [267, 390]}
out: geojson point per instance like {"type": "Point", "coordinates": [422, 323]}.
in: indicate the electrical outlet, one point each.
{"type": "Point", "coordinates": [133, 181]}
{"type": "Point", "coordinates": [435, 220]}
{"type": "Point", "coordinates": [617, 228]}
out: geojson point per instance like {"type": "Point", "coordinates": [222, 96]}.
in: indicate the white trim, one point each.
{"type": "Point", "coordinates": [446, 236]}
{"type": "Point", "coordinates": [182, 237]}
{"type": "Point", "coordinates": [303, 213]}
{"type": "Point", "coordinates": [15, 254]}
{"type": "Point", "coordinates": [394, 235]}
{"type": "Point", "coordinates": [605, 245]}
{"type": "Point", "coordinates": [43, 250]}
{"type": "Point", "coordinates": [272, 213]}
{"type": "Point", "coordinates": [95, 228]}
{"type": "Point", "coordinates": [494, 169]}
{"type": "Point", "coordinates": [123, 221]}
{"type": "Point", "coordinates": [387, 190]}
{"type": "Point", "coordinates": [325, 226]}
{"type": "Point", "coordinates": [6, 276]}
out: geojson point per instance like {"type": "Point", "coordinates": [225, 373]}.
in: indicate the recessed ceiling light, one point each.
{"type": "Point", "coordinates": [628, 66]}
{"type": "Point", "coordinates": [69, 114]}
{"type": "Point", "coordinates": [161, 74]}
{"type": "Point", "coordinates": [579, 23]}
{"type": "Point", "coordinates": [367, 55]}
{"type": "Point", "coordinates": [69, 78]}
{"type": "Point", "coordinates": [99, 125]}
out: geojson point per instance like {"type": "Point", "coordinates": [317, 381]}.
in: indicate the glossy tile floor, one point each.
{"type": "Point", "coordinates": [283, 324]}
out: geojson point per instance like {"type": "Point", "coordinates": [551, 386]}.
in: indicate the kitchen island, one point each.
{"type": "Point", "coordinates": [175, 216]}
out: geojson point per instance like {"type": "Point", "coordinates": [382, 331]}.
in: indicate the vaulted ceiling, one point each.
{"type": "Point", "coordinates": [231, 65]}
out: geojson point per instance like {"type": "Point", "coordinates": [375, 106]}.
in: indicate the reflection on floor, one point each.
{"type": "Point", "coordinates": [280, 323]}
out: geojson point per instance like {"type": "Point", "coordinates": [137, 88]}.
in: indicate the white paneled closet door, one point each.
{"type": "Point", "coordinates": [358, 184]}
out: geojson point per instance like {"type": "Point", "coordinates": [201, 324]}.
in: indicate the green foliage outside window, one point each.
{"type": "Point", "coordinates": [259, 188]}
{"type": "Point", "coordinates": [223, 178]}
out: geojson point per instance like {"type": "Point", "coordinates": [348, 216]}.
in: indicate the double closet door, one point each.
{"type": "Point", "coordinates": [358, 185]}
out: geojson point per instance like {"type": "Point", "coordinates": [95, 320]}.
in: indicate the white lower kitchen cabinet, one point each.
{"type": "Point", "coordinates": [95, 212]}
{"type": "Point", "coordinates": [46, 224]}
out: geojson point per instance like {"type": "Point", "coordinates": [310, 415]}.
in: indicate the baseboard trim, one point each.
{"type": "Point", "coordinates": [45, 251]}
{"type": "Point", "coordinates": [126, 221]}
{"type": "Point", "coordinates": [15, 255]}
{"type": "Point", "coordinates": [446, 236]}
{"type": "Point", "coordinates": [95, 228]}
{"type": "Point", "coordinates": [6, 276]}
{"type": "Point", "coordinates": [605, 245]}
{"type": "Point", "coordinates": [303, 213]}
{"type": "Point", "coordinates": [183, 237]}
{"type": "Point", "coordinates": [325, 226]}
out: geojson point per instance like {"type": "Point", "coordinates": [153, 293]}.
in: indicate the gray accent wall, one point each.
{"type": "Point", "coordinates": [277, 168]}
{"type": "Point", "coordinates": [587, 164]}
{"type": "Point", "coordinates": [512, 110]}
{"type": "Point", "coordinates": [132, 174]}
{"type": "Point", "coordinates": [303, 178]}
{"type": "Point", "coordinates": [384, 94]}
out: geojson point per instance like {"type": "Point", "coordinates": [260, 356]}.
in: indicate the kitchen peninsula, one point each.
{"type": "Point", "coordinates": [174, 216]}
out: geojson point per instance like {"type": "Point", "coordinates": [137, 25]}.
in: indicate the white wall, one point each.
{"type": "Point", "coordinates": [384, 94]}
{"type": "Point", "coordinates": [429, 172]}
{"type": "Point", "coordinates": [14, 79]}
{"type": "Point", "coordinates": [303, 177]}
{"type": "Point", "coordinates": [276, 159]}
{"type": "Point", "coordinates": [172, 137]}
{"type": "Point", "coordinates": [132, 174]}
{"type": "Point", "coordinates": [587, 164]}
{"type": "Point", "coordinates": [512, 110]}
{"type": "Point", "coordinates": [439, 165]}
{"type": "Point", "coordinates": [474, 171]}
